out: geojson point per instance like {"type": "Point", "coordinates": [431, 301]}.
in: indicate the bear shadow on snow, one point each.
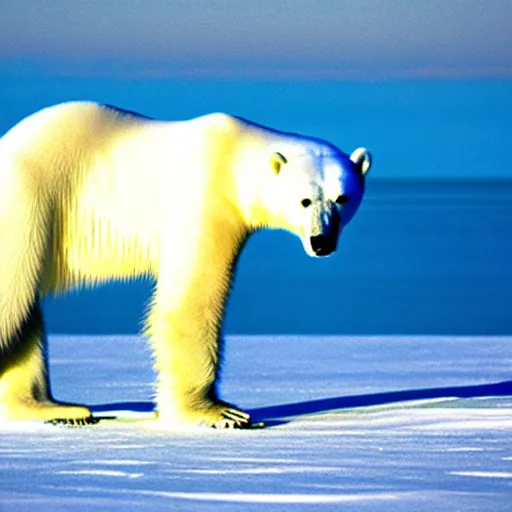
{"type": "Point", "coordinates": [279, 414]}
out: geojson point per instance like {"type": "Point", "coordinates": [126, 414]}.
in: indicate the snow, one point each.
{"type": "Point", "coordinates": [355, 423]}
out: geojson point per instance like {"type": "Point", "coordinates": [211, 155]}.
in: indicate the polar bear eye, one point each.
{"type": "Point", "coordinates": [341, 200]}
{"type": "Point", "coordinates": [305, 202]}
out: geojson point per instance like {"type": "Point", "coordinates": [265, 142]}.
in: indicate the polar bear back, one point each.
{"type": "Point", "coordinates": [114, 180]}
{"type": "Point", "coordinates": [88, 153]}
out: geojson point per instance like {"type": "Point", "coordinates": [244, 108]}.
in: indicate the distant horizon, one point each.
{"type": "Point", "coordinates": [126, 69]}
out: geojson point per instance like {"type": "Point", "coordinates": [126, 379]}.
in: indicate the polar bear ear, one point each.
{"type": "Point", "coordinates": [362, 160]}
{"type": "Point", "coordinates": [277, 161]}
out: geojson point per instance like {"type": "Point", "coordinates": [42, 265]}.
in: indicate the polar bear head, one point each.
{"type": "Point", "coordinates": [313, 190]}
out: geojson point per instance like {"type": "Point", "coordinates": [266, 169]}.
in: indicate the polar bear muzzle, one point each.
{"type": "Point", "coordinates": [325, 228]}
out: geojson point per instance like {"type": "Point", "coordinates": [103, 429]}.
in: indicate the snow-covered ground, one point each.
{"type": "Point", "coordinates": [386, 433]}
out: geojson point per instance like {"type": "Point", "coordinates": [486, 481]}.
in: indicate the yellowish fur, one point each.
{"type": "Point", "coordinates": [81, 215]}
{"type": "Point", "coordinates": [90, 193]}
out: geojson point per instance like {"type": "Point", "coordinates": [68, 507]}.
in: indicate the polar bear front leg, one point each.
{"type": "Point", "coordinates": [187, 351]}
{"type": "Point", "coordinates": [24, 385]}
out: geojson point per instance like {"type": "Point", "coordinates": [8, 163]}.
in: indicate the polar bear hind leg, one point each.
{"type": "Point", "coordinates": [24, 383]}
{"type": "Point", "coordinates": [24, 386]}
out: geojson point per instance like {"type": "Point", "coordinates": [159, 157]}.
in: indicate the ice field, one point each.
{"type": "Point", "coordinates": [355, 423]}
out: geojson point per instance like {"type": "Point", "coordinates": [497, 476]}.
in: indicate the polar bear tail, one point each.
{"type": "Point", "coordinates": [24, 223]}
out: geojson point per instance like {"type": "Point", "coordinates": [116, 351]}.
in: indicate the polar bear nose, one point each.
{"type": "Point", "coordinates": [323, 245]}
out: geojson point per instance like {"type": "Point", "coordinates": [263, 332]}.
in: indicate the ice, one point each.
{"type": "Point", "coordinates": [358, 423]}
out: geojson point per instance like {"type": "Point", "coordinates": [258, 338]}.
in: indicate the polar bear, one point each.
{"type": "Point", "coordinates": [90, 192]}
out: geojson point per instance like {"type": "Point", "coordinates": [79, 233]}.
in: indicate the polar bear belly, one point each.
{"type": "Point", "coordinates": [102, 231]}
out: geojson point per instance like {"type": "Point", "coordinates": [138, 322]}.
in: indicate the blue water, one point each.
{"type": "Point", "coordinates": [421, 257]}
{"type": "Point", "coordinates": [429, 252]}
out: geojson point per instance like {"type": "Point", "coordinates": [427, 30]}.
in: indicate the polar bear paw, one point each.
{"type": "Point", "coordinates": [221, 416]}
{"type": "Point", "coordinates": [74, 422]}
{"type": "Point", "coordinates": [217, 415]}
{"type": "Point", "coordinates": [231, 417]}
{"type": "Point", "coordinates": [46, 411]}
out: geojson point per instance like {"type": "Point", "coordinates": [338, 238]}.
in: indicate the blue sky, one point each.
{"type": "Point", "coordinates": [357, 39]}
